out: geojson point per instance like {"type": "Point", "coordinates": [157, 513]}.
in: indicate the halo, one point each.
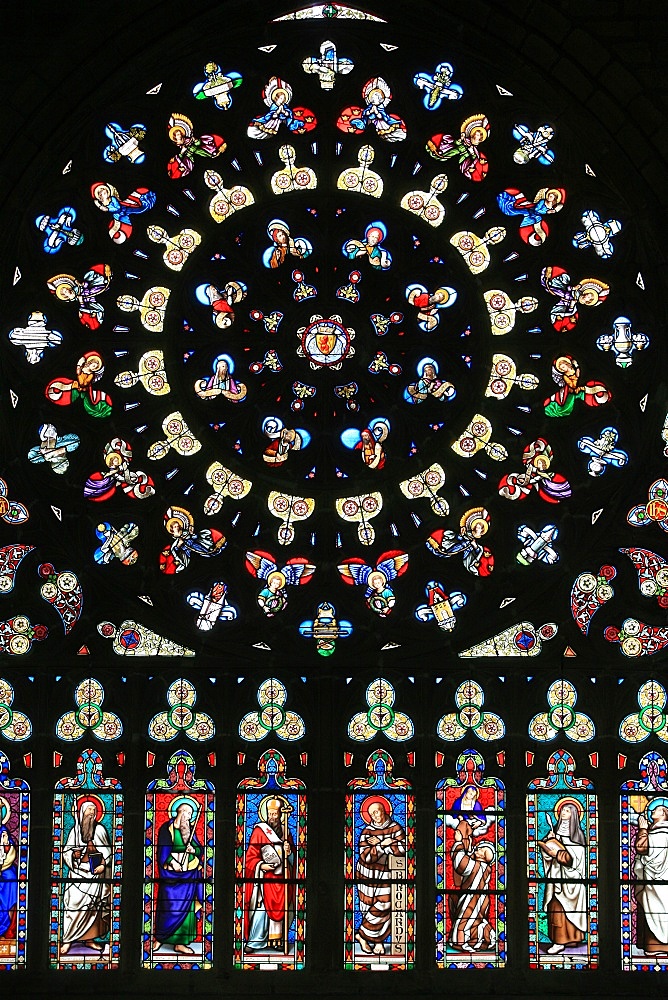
{"type": "Point", "coordinates": [272, 426]}
{"type": "Point", "coordinates": [475, 121]}
{"type": "Point", "coordinates": [262, 808]}
{"type": "Point", "coordinates": [82, 800]}
{"type": "Point", "coordinates": [180, 123]}
{"type": "Point", "coordinates": [558, 192]}
{"type": "Point", "coordinates": [59, 280]}
{"type": "Point", "coordinates": [369, 801]}
{"type": "Point", "coordinates": [5, 810]}
{"type": "Point", "coordinates": [422, 365]}
{"type": "Point", "coordinates": [468, 788]}
{"type": "Point", "coordinates": [277, 224]}
{"type": "Point", "coordinates": [474, 516]}
{"type": "Point", "coordinates": [181, 516]}
{"type": "Point", "coordinates": [569, 800]}
{"type": "Point", "coordinates": [224, 357]}
{"type": "Point", "coordinates": [380, 226]}
{"type": "Point", "coordinates": [654, 803]}
{"type": "Point", "coordinates": [98, 184]}
{"type": "Point", "coordinates": [280, 92]}
{"type": "Point", "coordinates": [180, 800]}
{"type": "Point", "coordinates": [276, 573]}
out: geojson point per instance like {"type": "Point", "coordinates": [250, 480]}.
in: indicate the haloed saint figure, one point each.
{"type": "Point", "coordinates": [86, 899]}
{"type": "Point", "coordinates": [382, 849]}
{"type": "Point", "coordinates": [180, 887]}
{"type": "Point", "coordinates": [269, 865]}
{"type": "Point", "coordinates": [565, 864]}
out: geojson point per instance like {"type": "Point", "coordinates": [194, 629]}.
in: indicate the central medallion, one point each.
{"type": "Point", "coordinates": [326, 342]}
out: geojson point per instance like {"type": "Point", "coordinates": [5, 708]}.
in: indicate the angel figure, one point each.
{"type": "Point", "coordinates": [179, 524]}
{"type": "Point", "coordinates": [550, 486]}
{"type": "Point", "coordinates": [65, 391]}
{"type": "Point", "coordinates": [221, 382]}
{"type": "Point", "coordinates": [472, 163]}
{"type": "Point", "coordinates": [118, 475]}
{"type": "Point", "coordinates": [283, 245]}
{"type": "Point", "coordinates": [587, 292]}
{"type": "Point", "coordinates": [428, 384]}
{"type": "Point", "coordinates": [273, 598]}
{"type": "Point", "coordinates": [277, 95]}
{"type": "Point", "coordinates": [370, 247]}
{"type": "Point", "coordinates": [377, 94]}
{"type": "Point", "coordinates": [107, 199]}
{"type": "Point", "coordinates": [95, 281]}
{"type": "Point", "coordinates": [533, 228]}
{"type": "Point", "coordinates": [566, 374]}
{"type": "Point", "coordinates": [379, 595]}
{"type": "Point", "coordinates": [473, 526]}
{"type": "Point", "coordinates": [188, 144]}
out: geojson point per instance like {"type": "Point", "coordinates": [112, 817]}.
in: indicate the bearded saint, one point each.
{"type": "Point", "coordinates": [381, 839]}
{"type": "Point", "coordinates": [86, 900]}
{"type": "Point", "coordinates": [269, 898]}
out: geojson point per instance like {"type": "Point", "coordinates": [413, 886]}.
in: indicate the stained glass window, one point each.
{"type": "Point", "coordinates": [270, 869]}
{"type": "Point", "coordinates": [89, 715]}
{"type": "Point", "coordinates": [470, 868]}
{"type": "Point", "coordinates": [562, 841]}
{"type": "Point", "coordinates": [180, 716]}
{"type": "Point", "coordinates": [380, 869]}
{"type": "Point", "coordinates": [179, 867]}
{"type": "Point", "coordinates": [469, 700]}
{"type": "Point", "coordinates": [14, 843]}
{"type": "Point", "coordinates": [87, 867]}
{"type": "Point", "coordinates": [269, 475]}
{"type": "Point", "coordinates": [644, 866]}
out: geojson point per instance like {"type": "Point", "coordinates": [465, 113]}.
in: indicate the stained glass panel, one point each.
{"type": "Point", "coordinates": [644, 867]}
{"type": "Point", "coordinates": [14, 847]}
{"type": "Point", "coordinates": [179, 866]}
{"type": "Point", "coordinates": [470, 868]}
{"type": "Point", "coordinates": [86, 869]}
{"type": "Point", "coordinates": [562, 840]}
{"type": "Point", "coordinates": [380, 869]}
{"type": "Point", "coordinates": [270, 869]}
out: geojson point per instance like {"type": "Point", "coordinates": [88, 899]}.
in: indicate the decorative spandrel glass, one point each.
{"type": "Point", "coordinates": [272, 717]}
{"type": "Point", "coordinates": [181, 716]}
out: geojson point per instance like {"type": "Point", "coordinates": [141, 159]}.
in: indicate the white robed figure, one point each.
{"type": "Point", "coordinates": [651, 869]}
{"type": "Point", "coordinates": [565, 863]}
{"type": "Point", "coordinates": [86, 899]}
